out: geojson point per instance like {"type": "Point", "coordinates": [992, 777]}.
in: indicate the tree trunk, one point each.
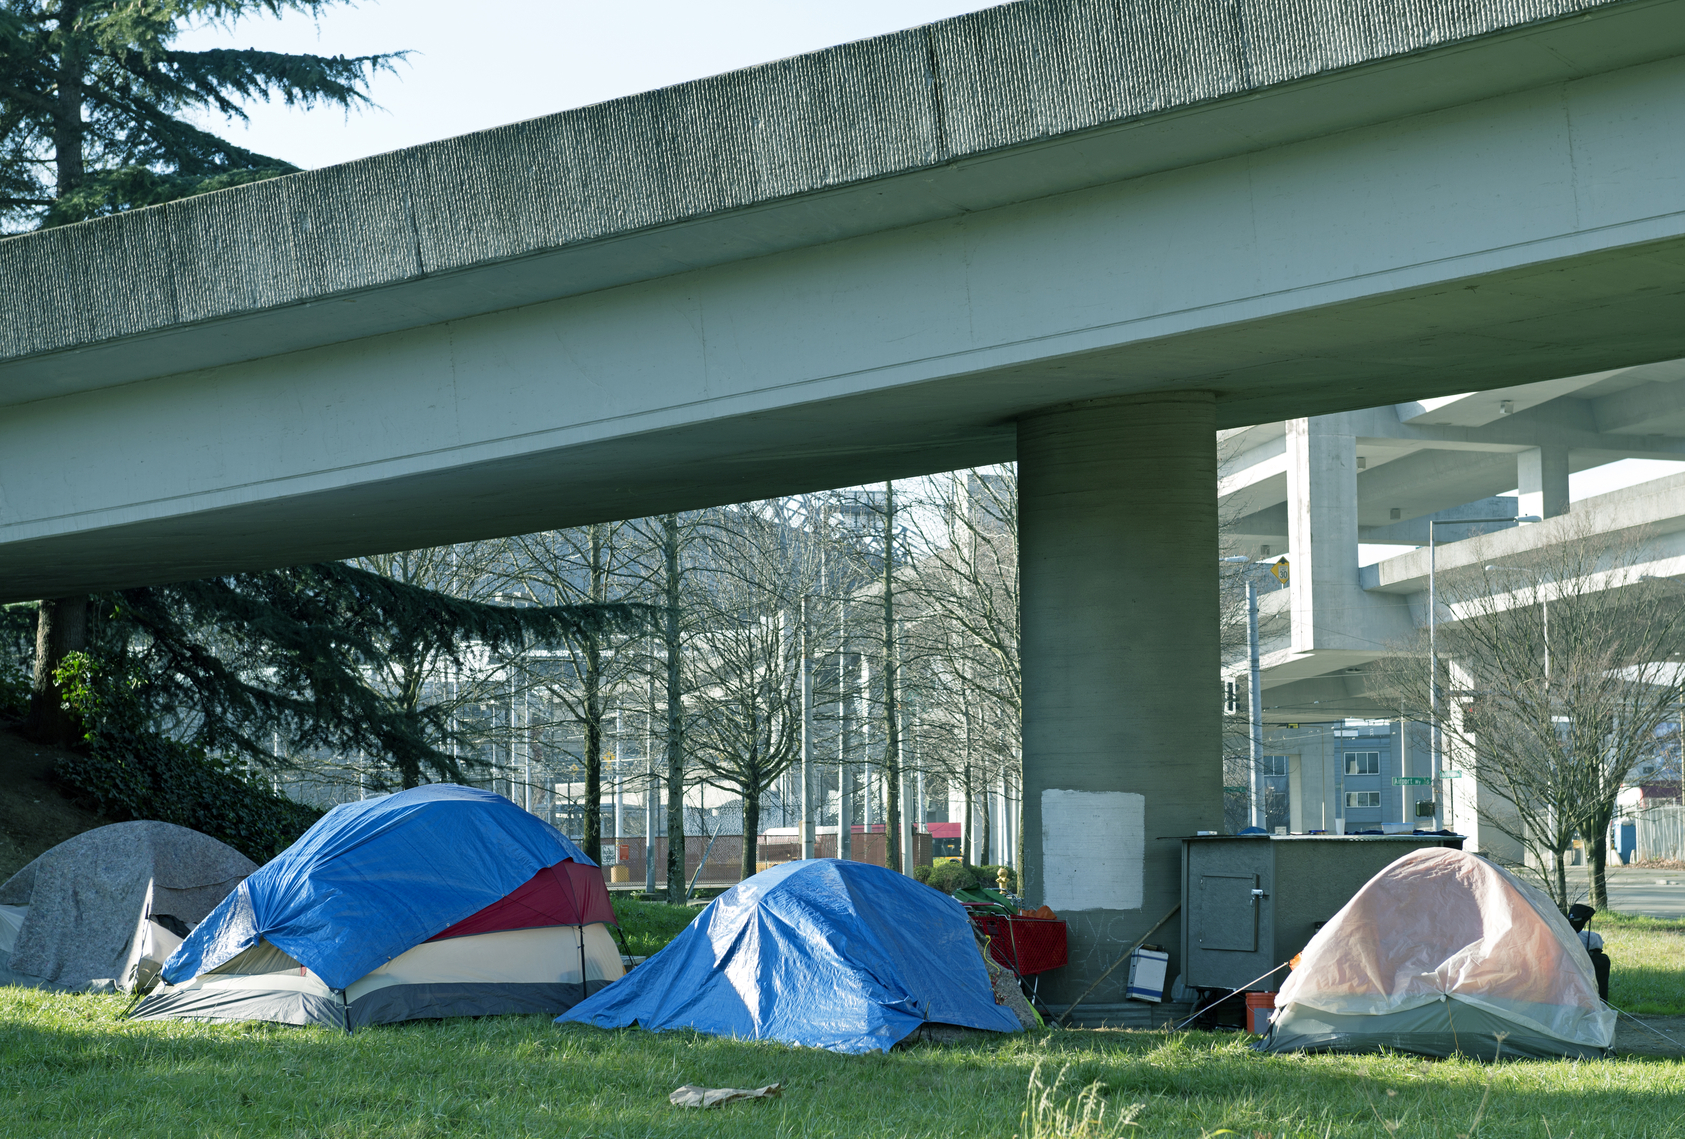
{"type": "Point", "coordinates": [61, 623]}
{"type": "Point", "coordinates": [69, 131]}
{"type": "Point", "coordinates": [594, 708]}
{"type": "Point", "coordinates": [409, 695]}
{"type": "Point", "coordinates": [1597, 859]}
{"type": "Point", "coordinates": [1596, 854]}
{"type": "Point", "coordinates": [891, 692]}
{"type": "Point", "coordinates": [1561, 879]}
{"type": "Point", "coordinates": [751, 828]}
{"type": "Point", "coordinates": [968, 817]}
{"type": "Point", "coordinates": [675, 719]}
{"type": "Point", "coordinates": [61, 627]}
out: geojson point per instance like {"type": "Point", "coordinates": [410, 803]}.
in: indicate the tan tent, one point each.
{"type": "Point", "coordinates": [103, 910]}
{"type": "Point", "coordinates": [1443, 953]}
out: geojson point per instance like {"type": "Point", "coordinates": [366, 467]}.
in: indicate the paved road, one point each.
{"type": "Point", "coordinates": [1632, 890]}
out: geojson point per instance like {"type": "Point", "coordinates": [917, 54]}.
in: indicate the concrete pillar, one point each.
{"type": "Point", "coordinates": [1541, 475]}
{"type": "Point", "coordinates": [1122, 702]}
{"type": "Point", "coordinates": [1483, 813]}
{"type": "Point", "coordinates": [1321, 530]}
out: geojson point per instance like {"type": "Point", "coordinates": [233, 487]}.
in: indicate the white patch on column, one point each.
{"type": "Point", "coordinates": [1093, 849]}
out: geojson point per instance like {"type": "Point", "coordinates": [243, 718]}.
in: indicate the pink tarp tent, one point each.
{"type": "Point", "coordinates": [1441, 953]}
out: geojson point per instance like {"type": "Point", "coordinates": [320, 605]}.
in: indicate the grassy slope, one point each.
{"type": "Point", "coordinates": [35, 812]}
{"type": "Point", "coordinates": [68, 1067]}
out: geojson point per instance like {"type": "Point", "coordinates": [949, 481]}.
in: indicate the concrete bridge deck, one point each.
{"type": "Point", "coordinates": [861, 263]}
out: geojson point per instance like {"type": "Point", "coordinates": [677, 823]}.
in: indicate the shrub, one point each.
{"type": "Point", "coordinates": [922, 874]}
{"type": "Point", "coordinates": [129, 771]}
{"type": "Point", "coordinates": [951, 876]}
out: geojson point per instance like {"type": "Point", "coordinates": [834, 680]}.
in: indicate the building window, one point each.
{"type": "Point", "coordinates": [1363, 763]}
{"type": "Point", "coordinates": [1272, 766]}
{"type": "Point", "coordinates": [1363, 798]}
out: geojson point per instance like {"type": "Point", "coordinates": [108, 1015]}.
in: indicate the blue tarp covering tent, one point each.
{"type": "Point", "coordinates": [367, 882]}
{"type": "Point", "coordinates": [438, 901]}
{"type": "Point", "coordinates": [826, 954]}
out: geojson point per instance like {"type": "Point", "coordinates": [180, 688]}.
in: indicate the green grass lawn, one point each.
{"type": "Point", "coordinates": [1647, 963]}
{"type": "Point", "coordinates": [70, 1067]}
{"type": "Point", "coordinates": [647, 926]}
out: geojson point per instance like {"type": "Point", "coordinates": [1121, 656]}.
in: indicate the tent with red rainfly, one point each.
{"type": "Point", "coordinates": [433, 902]}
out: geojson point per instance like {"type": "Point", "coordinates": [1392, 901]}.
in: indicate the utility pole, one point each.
{"type": "Point", "coordinates": [619, 786]}
{"type": "Point", "coordinates": [844, 830]}
{"type": "Point", "coordinates": [1255, 705]}
{"type": "Point", "coordinates": [1254, 697]}
{"type": "Point", "coordinates": [893, 846]}
{"type": "Point", "coordinates": [806, 829]}
{"type": "Point", "coordinates": [866, 742]}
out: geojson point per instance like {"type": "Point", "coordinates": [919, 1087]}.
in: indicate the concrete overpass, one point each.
{"type": "Point", "coordinates": [1082, 235]}
{"type": "Point", "coordinates": [1319, 489]}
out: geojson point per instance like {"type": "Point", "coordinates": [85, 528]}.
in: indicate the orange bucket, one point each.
{"type": "Point", "coordinates": [1259, 1006]}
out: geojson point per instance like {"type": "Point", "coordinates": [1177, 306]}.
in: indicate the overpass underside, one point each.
{"type": "Point", "coordinates": [1037, 231]}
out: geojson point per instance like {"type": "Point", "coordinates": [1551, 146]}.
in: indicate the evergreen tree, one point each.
{"type": "Point", "coordinates": [230, 663]}
{"type": "Point", "coordinates": [95, 102]}
{"type": "Point", "coordinates": [94, 108]}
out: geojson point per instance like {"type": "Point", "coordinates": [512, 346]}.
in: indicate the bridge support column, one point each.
{"type": "Point", "coordinates": [1541, 474]}
{"type": "Point", "coordinates": [1122, 731]}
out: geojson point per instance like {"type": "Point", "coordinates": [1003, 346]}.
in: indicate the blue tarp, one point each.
{"type": "Point", "coordinates": [373, 879]}
{"type": "Point", "coordinates": [825, 954]}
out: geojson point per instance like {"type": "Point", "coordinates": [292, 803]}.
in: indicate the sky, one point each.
{"type": "Point", "coordinates": [519, 59]}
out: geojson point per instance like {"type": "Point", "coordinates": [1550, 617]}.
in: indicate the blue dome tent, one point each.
{"type": "Point", "coordinates": [437, 901]}
{"type": "Point", "coordinates": [825, 954]}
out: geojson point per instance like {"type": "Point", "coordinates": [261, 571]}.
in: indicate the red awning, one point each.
{"type": "Point", "coordinates": [564, 894]}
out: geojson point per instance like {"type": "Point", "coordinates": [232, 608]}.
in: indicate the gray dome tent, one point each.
{"type": "Point", "coordinates": [1444, 953]}
{"type": "Point", "coordinates": [102, 911]}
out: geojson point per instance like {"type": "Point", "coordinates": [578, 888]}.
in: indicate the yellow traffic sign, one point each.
{"type": "Point", "coordinates": [1280, 570]}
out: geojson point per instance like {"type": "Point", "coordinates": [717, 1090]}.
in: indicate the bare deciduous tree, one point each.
{"type": "Point", "coordinates": [745, 729]}
{"type": "Point", "coordinates": [409, 676]}
{"type": "Point", "coordinates": [590, 564]}
{"type": "Point", "coordinates": [962, 593]}
{"type": "Point", "coordinates": [1554, 675]}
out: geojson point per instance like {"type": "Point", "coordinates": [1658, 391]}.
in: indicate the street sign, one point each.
{"type": "Point", "coordinates": [1237, 790]}
{"type": "Point", "coordinates": [1280, 570]}
{"type": "Point", "coordinates": [1450, 774]}
{"type": "Point", "coordinates": [1410, 781]}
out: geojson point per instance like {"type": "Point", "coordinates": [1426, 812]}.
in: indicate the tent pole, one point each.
{"type": "Point", "coordinates": [580, 929]}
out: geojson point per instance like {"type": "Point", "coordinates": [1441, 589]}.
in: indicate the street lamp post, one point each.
{"type": "Point", "coordinates": [1254, 701]}
{"type": "Point", "coordinates": [1434, 739]}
